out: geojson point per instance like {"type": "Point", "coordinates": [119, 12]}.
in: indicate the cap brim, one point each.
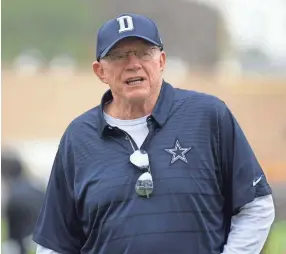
{"type": "Point", "coordinates": [103, 54]}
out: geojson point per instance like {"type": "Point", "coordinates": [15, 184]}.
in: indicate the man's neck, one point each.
{"type": "Point", "coordinates": [126, 110]}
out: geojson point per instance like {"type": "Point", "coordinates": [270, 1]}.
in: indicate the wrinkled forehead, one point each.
{"type": "Point", "coordinates": [130, 42]}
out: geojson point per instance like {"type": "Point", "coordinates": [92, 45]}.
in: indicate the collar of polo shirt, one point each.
{"type": "Point", "coordinates": [160, 112]}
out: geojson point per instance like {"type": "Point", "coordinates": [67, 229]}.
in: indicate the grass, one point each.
{"type": "Point", "coordinates": [276, 243]}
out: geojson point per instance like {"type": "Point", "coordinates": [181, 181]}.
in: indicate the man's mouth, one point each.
{"type": "Point", "coordinates": [134, 81]}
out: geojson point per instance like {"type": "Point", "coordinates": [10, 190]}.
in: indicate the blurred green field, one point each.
{"type": "Point", "coordinates": [277, 239]}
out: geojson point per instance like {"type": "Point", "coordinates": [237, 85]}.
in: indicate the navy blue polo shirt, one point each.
{"type": "Point", "coordinates": [203, 170]}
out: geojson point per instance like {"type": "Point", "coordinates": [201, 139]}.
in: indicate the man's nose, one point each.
{"type": "Point", "coordinates": [133, 62]}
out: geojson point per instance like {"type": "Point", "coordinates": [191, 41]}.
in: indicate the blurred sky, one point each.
{"type": "Point", "coordinates": [256, 23]}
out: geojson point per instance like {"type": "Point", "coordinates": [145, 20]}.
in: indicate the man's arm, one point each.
{"type": "Point", "coordinates": [250, 227]}
{"type": "Point", "coordinates": [58, 227]}
{"type": "Point", "coordinates": [248, 201]}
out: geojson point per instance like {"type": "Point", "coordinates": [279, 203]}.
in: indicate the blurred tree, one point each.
{"type": "Point", "coordinates": [53, 27]}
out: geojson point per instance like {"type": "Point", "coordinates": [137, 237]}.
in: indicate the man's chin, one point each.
{"type": "Point", "coordinates": [138, 97]}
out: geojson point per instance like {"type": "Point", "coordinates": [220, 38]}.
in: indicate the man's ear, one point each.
{"type": "Point", "coordinates": [163, 60]}
{"type": "Point", "coordinates": [99, 71]}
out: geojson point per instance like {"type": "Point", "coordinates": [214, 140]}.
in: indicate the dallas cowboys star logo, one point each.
{"type": "Point", "coordinates": [178, 152]}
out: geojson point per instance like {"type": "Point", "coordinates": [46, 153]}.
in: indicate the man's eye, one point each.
{"type": "Point", "coordinates": [119, 56]}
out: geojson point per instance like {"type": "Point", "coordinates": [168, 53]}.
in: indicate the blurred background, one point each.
{"type": "Point", "coordinates": [234, 49]}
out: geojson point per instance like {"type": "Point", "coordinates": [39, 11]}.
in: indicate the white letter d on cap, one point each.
{"type": "Point", "coordinates": [129, 22]}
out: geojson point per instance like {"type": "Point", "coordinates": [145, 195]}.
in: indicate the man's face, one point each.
{"type": "Point", "coordinates": [133, 69]}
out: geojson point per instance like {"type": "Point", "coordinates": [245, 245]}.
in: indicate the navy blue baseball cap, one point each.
{"type": "Point", "coordinates": [124, 26]}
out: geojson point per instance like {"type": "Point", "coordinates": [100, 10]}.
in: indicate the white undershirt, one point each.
{"type": "Point", "coordinates": [249, 228]}
{"type": "Point", "coordinates": [136, 128]}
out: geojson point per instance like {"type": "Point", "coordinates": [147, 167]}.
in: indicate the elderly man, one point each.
{"type": "Point", "coordinates": [152, 169]}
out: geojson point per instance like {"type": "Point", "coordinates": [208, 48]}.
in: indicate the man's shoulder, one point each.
{"type": "Point", "coordinates": [84, 121]}
{"type": "Point", "coordinates": [196, 99]}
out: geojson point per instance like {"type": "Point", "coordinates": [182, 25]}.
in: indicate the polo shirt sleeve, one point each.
{"type": "Point", "coordinates": [243, 177]}
{"type": "Point", "coordinates": [58, 227]}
